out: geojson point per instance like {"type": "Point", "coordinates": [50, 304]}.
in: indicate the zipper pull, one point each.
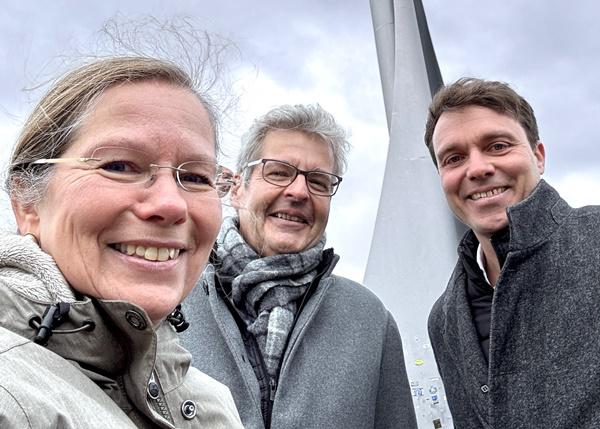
{"type": "Point", "coordinates": [272, 389]}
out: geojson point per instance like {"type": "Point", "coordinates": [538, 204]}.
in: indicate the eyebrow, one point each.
{"type": "Point", "coordinates": [494, 135]}
{"type": "Point", "coordinates": [295, 164]}
{"type": "Point", "coordinates": [128, 143]}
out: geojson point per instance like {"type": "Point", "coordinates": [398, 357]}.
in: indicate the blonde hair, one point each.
{"type": "Point", "coordinates": [51, 127]}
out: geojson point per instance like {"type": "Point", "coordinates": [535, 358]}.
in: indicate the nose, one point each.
{"type": "Point", "coordinates": [479, 166]}
{"type": "Point", "coordinates": [163, 200]}
{"type": "Point", "coordinates": [298, 189]}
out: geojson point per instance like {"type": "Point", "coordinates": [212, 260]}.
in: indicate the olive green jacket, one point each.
{"type": "Point", "coordinates": [123, 373]}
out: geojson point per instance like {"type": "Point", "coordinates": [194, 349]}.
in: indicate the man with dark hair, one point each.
{"type": "Point", "coordinates": [515, 332]}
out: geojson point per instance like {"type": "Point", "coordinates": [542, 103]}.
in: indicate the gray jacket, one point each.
{"type": "Point", "coordinates": [343, 367]}
{"type": "Point", "coordinates": [544, 364]}
{"type": "Point", "coordinates": [123, 373]}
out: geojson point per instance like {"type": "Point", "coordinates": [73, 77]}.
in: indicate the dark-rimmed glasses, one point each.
{"type": "Point", "coordinates": [127, 165]}
{"type": "Point", "coordinates": [281, 173]}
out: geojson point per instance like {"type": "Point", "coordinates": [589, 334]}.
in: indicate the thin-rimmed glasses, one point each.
{"type": "Point", "coordinates": [281, 173]}
{"type": "Point", "coordinates": [134, 166]}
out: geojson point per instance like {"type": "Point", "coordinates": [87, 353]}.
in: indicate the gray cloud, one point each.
{"type": "Point", "coordinates": [548, 51]}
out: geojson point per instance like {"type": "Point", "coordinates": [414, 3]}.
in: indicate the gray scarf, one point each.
{"type": "Point", "coordinates": [266, 290]}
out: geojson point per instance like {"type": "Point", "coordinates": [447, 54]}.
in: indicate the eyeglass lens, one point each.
{"type": "Point", "coordinates": [282, 174]}
{"type": "Point", "coordinates": [129, 165]}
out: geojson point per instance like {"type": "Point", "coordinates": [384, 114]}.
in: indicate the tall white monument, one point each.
{"type": "Point", "coordinates": [414, 243]}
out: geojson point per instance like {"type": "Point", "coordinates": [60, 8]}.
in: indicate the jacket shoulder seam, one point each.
{"type": "Point", "coordinates": [18, 404]}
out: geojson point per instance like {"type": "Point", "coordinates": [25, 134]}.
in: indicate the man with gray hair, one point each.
{"type": "Point", "coordinates": [298, 346]}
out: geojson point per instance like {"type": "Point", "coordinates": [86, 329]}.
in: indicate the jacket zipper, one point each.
{"type": "Point", "coordinates": [159, 403]}
{"type": "Point", "coordinates": [272, 389]}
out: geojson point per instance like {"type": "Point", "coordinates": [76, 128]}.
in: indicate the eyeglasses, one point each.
{"type": "Point", "coordinates": [127, 165]}
{"type": "Point", "coordinates": [281, 173]}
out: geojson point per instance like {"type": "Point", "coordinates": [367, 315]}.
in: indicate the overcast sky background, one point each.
{"type": "Point", "coordinates": [324, 51]}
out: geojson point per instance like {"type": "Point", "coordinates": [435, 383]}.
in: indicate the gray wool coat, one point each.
{"type": "Point", "coordinates": [343, 367]}
{"type": "Point", "coordinates": [544, 361]}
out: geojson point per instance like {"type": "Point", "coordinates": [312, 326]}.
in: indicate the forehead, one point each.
{"type": "Point", "coordinates": [473, 123]}
{"type": "Point", "coordinates": [152, 116]}
{"type": "Point", "coordinates": [299, 148]}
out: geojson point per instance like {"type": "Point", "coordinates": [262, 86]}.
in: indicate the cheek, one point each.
{"type": "Point", "coordinates": [207, 221]}
{"type": "Point", "coordinates": [68, 218]}
{"type": "Point", "coordinates": [322, 210]}
{"type": "Point", "coordinates": [450, 184]}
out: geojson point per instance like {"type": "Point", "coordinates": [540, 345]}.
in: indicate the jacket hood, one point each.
{"type": "Point", "coordinates": [31, 272]}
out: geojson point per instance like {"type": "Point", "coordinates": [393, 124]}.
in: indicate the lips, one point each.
{"type": "Point", "coordinates": [150, 253]}
{"type": "Point", "coordinates": [487, 194]}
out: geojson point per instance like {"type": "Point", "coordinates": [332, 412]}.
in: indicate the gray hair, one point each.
{"type": "Point", "coordinates": [54, 122]}
{"type": "Point", "coordinates": [310, 119]}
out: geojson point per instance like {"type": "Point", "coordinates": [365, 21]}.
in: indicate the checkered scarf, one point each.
{"type": "Point", "coordinates": [265, 290]}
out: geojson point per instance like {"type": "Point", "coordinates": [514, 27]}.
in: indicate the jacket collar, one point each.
{"type": "Point", "coordinates": [535, 218]}
{"type": "Point", "coordinates": [531, 221]}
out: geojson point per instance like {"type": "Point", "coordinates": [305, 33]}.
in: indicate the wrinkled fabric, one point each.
{"type": "Point", "coordinates": [92, 378]}
{"type": "Point", "coordinates": [544, 366]}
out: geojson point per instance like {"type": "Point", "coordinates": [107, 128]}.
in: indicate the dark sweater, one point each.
{"type": "Point", "coordinates": [480, 293]}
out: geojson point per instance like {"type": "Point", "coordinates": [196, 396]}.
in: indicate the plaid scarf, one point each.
{"type": "Point", "coordinates": [265, 290]}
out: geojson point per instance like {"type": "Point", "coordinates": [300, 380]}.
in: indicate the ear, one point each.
{"type": "Point", "coordinates": [237, 191]}
{"type": "Point", "coordinates": [540, 155]}
{"type": "Point", "coordinates": [27, 217]}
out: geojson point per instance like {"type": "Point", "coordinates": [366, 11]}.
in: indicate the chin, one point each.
{"type": "Point", "coordinates": [279, 248]}
{"type": "Point", "coordinates": [158, 313]}
{"type": "Point", "coordinates": [160, 303]}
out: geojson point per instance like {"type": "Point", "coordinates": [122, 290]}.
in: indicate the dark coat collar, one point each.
{"type": "Point", "coordinates": [530, 221]}
{"type": "Point", "coordinates": [535, 218]}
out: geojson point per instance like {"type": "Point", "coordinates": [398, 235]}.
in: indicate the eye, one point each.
{"type": "Point", "coordinates": [277, 171]}
{"type": "Point", "coordinates": [197, 175]}
{"type": "Point", "coordinates": [319, 182]}
{"type": "Point", "coordinates": [189, 178]}
{"type": "Point", "coordinates": [498, 146]}
{"type": "Point", "coordinates": [281, 172]}
{"type": "Point", "coordinates": [453, 160]}
{"type": "Point", "coordinates": [120, 167]}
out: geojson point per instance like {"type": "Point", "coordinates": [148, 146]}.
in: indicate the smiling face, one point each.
{"type": "Point", "coordinates": [145, 243]}
{"type": "Point", "coordinates": [486, 165]}
{"type": "Point", "coordinates": [273, 219]}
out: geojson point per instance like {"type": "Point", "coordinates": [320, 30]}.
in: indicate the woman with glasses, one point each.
{"type": "Point", "coordinates": [298, 346]}
{"type": "Point", "coordinates": [116, 193]}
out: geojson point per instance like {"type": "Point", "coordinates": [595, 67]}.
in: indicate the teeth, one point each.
{"type": "Point", "coordinates": [160, 254]}
{"type": "Point", "coordinates": [487, 194]}
{"type": "Point", "coordinates": [151, 254]}
{"type": "Point", "coordinates": [288, 217]}
{"type": "Point", "coordinates": [163, 254]}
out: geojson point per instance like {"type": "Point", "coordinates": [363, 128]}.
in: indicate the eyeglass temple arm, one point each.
{"type": "Point", "coordinates": [62, 160]}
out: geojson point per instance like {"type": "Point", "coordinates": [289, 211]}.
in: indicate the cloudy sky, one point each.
{"type": "Point", "coordinates": [323, 51]}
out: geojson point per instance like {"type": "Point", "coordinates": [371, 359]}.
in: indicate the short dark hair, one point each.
{"type": "Point", "coordinates": [467, 91]}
